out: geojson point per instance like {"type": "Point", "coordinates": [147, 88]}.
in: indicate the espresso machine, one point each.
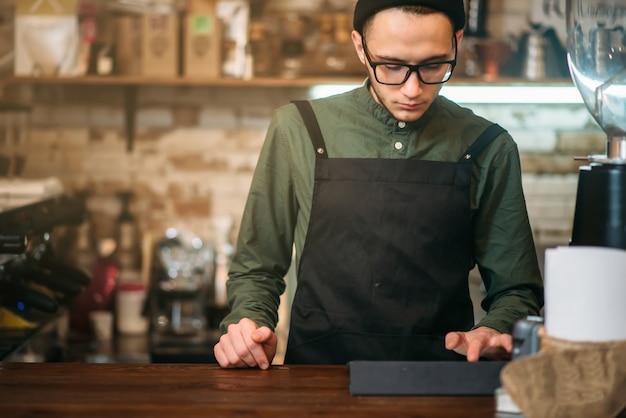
{"type": "Point", "coordinates": [183, 273]}
{"type": "Point", "coordinates": [596, 52]}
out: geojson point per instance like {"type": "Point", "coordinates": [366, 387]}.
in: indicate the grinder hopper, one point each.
{"type": "Point", "coordinates": [596, 53]}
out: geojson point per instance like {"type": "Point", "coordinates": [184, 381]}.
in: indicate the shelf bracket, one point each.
{"type": "Point", "coordinates": [130, 113]}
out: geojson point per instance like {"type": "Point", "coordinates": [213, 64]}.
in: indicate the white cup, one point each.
{"type": "Point", "coordinates": [102, 324]}
{"type": "Point", "coordinates": [130, 302]}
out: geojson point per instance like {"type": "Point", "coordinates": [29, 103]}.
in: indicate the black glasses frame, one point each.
{"type": "Point", "coordinates": [411, 68]}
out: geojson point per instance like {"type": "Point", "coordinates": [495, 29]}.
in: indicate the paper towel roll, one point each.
{"type": "Point", "coordinates": [585, 291]}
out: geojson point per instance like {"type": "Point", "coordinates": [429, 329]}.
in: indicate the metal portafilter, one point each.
{"type": "Point", "coordinates": [36, 279]}
{"type": "Point", "coordinates": [12, 243]}
{"type": "Point", "coordinates": [56, 283]}
{"type": "Point", "coordinates": [15, 292]}
{"type": "Point", "coordinates": [43, 267]}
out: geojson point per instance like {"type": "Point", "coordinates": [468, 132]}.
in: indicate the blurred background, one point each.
{"type": "Point", "coordinates": [130, 129]}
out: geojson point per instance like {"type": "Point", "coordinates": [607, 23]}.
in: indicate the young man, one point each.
{"type": "Point", "coordinates": [389, 206]}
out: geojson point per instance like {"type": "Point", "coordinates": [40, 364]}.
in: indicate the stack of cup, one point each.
{"type": "Point", "coordinates": [131, 298]}
{"type": "Point", "coordinates": [102, 324]}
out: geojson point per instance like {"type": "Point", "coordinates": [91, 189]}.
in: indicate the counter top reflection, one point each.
{"type": "Point", "coordinates": [190, 390]}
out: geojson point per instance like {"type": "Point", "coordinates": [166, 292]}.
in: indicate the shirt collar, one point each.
{"type": "Point", "coordinates": [380, 113]}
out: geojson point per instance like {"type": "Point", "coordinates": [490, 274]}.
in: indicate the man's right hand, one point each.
{"type": "Point", "coordinates": [246, 345]}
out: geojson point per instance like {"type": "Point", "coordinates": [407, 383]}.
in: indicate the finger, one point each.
{"type": "Point", "coordinates": [499, 348]}
{"type": "Point", "coordinates": [270, 343]}
{"type": "Point", "coordinates": [255, 338]}
{"type": "Point", "coordinates": [233, 358]}
{"type": "Point", "coordinates": [262, 335]}
{"type": "Point", "coordinates": [474, 349]}
{"type": "Point", "coordinates": [243, 346]}
{"type": "Point", "coordinates": [255, 343]}
{"type": "Point", "coordinates": [506, 342]}
{"type": "Point", "coordinates": [495, 353]}
{"type": "Point", "coordinates": [220, 356]}
{"type": "Point", "coordinates": [453, 340]}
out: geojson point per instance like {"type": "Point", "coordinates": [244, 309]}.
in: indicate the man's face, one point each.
{"type": "Point", "coordinates": [403, 38]}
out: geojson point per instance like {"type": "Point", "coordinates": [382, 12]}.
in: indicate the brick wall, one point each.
{"type": "Point", "coordinates": [193, 155]}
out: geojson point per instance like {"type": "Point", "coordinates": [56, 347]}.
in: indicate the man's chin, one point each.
{"type": "Point", "coordinates": [408, 116]}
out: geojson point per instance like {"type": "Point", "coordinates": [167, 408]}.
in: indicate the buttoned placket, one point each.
{"type": "Point", "coordinates": [400, 137]}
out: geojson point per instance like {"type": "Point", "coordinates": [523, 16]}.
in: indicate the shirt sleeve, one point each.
{"type": "Point", "coordinates": [264, 245]}
{"type": "Point", "coordinates": [504, 247]}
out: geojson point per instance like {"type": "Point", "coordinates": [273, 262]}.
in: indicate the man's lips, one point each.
{"type": "Point", "coordinates": [410, 106]}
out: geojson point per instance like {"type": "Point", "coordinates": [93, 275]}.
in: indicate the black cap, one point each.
{"type": "Point", "coordinates": [454, 9]}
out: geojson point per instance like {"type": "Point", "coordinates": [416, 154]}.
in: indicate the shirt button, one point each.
{"type": "Point", "coordinates": [398, 146]}
{"type": "Point", "coordinates": [402, 125]}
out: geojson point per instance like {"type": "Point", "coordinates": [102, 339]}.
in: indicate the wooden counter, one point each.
{"type": "Point", "coordinates": [201, 390]}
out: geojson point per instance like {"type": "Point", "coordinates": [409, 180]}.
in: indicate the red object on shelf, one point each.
{"type": "Point", "coordinates": [99, 295]}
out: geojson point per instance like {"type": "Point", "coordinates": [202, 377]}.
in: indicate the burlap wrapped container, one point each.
{"type": "Point", "coordinates": [569, 379]}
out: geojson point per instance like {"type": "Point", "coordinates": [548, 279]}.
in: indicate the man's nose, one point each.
{"type": "Point", "coordinates": [413, 85]}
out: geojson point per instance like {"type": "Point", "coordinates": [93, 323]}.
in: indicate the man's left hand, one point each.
{"type": "Point", "coordinates": [482, 342]}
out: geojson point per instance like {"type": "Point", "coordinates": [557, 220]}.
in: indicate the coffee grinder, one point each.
{"type": "Point", "coordinates": [596, 53]}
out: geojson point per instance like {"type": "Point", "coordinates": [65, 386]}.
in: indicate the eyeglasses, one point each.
{"type": "Point", "coordinates": [394, 74]}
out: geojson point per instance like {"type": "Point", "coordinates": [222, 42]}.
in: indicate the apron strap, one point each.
{"type": "Point", "coordinates": [491, 133]}
{"type": "Point", "coordinates": [312, 126]}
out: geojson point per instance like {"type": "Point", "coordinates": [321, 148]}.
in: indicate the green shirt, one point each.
{"type": "Point", "coordinates": [277, 211]}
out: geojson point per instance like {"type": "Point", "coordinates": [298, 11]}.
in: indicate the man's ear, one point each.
{"type": "Point", "coordinates": [358, 45]}
{"type": "Point", "coordinates": [459, 36]}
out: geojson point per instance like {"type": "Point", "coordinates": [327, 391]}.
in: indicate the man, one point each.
{"type": "Point", "coordinates": [389, 206]}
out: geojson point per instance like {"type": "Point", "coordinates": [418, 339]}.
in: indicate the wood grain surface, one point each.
{"type": "Point", "coordinates": [204, 390]}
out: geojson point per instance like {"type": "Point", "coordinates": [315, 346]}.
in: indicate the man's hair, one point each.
{"type": "Point", "coordinates": [365, 9]}
{"type": "Point", "coordinates": [418, 10]}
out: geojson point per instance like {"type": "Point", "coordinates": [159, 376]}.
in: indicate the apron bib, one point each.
{"type": "Point", "coordinates": [384, 269]}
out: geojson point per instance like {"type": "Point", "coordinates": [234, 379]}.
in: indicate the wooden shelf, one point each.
{"type": "Point", "coordinates": [157, 81]}
{"type": "Point", "coordinates": [272, 82]}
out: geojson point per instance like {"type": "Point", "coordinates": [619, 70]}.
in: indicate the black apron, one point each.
{"type": "Point", "coordinates": [384, 269]}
